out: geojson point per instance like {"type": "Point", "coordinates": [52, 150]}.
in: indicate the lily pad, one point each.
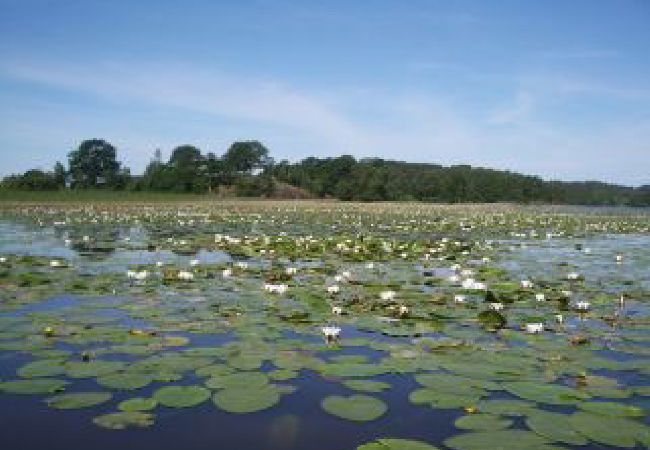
{"type": "Point", "coordinates": [36, 386]}
{"type": "Point", "coordinates": [615, 431]}
{"type": "Point", "coordinates": [498, 440]}
{"type": "Point", "coordinates": [553, 394]}
{"type": "Point", "coordinates": [76, 400]}
{"type": "Point", "coordinates": [137, 404]}
{"type": "Point", "coordinates": [42, 368]}
{"type": "Point", "coordinates": [612, 409]}
{"type": "Point", "coordinates": [122, 420]}
{"type": "Point", "coordinates": [554, 426]}
{"type": "Point", "coordinates": [126, 381]}
{"type": "Point", "coordinates": [241, 400]}
{"type": "Point", "coordinates": [482, 422]}
{"type": "Point", "coordinates": [358, 408]}
{"type": "Point", "coordinates": [396, 444]}
{"type": "Point", "coordinates": [366, 385]}
{"type": "Point", "coordinates": [181, 396]}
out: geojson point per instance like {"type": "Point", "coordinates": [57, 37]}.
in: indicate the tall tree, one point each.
{"type": "Point", "coordinates": [186, 161]}
{"type": "Point", "coordinates": [245, 156]}
{"type": "Point", "coordinates": [94, 164]}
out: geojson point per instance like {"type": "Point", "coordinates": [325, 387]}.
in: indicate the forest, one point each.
{"type": "Point", "coordinates": [246, 169]}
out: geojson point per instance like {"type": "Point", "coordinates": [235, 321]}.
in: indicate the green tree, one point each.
{"type": "Point", "coordinates": [246, 156]}
{"type": "Point", "coordinates": [94, 164]}
{"type": "Point", "coordinates": [185, 162]}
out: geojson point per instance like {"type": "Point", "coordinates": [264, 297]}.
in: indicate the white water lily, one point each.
{"type": "Point", "coordinates": [137, 275]}
{"type": "Point", "coordinates": [621, 301]}
{"type": "Point", "coordinates": [559, 318]}
{"type": "Point", "coordinates": [466, 272]}
{"type": "Point", "coordinates": [346, 274]}
{"type": "Point", "coordinates": [334, 289]}
{"type": "Point", "coordinates": [370, 265]}
{"type": "Point", "coordinates": [526, 284]}
{"type": "Point", "coordinates": [540, 297]}
{"type": "Point", "coordinates": [573, 276]}
{"type": "Point", "coordinates": [472, 284]}
{"type": "Point", "coordinates": [159, 263]}
{"type": "Point", "coordinates": [495, 306]}
{"type": "Point", "coordinates": [534, 328]}
{"type": "Point", "coordinates": [56, 263]}
{"type": "Point", "coordinates": [387, 295]}
{"type": "Point", "coordinates": [331, 332]}
{"type": "Point", "coordinates": [195, 262]}
{"type": "Point", "coordinates": [403, 310]}
{"type": "Point", "coordinates": [241, 265]}
{"type": "Point", "coordinates": [455, 267]}
{"type": "Point", "coordinates": [619, 258]}
{"type": "Point", "coordinates": [453, 278]}
{"type": "Point", "coordinates": [567, 294]}
{"type": "Point", "coordinates": [459, 298]}
{"type": "Point", "coordinates": [226, 273]}
{"type": "Point", "coordinates": [276, 288]}
{"type": "Point", "coordinates": [185, 275]}
{"type": "Point", "coordinates": [583, 305]}
{"type": "Point", "coordinates": [337, 310]}
{"type": "Point", "coordinates": [3, 259]}
{"type": "Point", "coordinates": [291, 270]}
{"type": "Point", "coordinates": [338, 278]}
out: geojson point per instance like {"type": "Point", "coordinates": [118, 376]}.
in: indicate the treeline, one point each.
{"type": "Point", "coordinates": [94, 165]}
{"type": "Point", "coordinates": [375, 179]}
{"type": "Point", "coordinates": [246, 169]}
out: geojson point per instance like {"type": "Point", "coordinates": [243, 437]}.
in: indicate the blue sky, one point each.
{"type": "Point", "coordinates": [555, 88]}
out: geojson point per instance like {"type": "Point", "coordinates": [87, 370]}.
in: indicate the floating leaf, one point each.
{"type": "Point", "coordinates": [554, 426]}
{"type": "Point", "coordinates": [137, 404]}
{"type": "Point", "coordinates": [37, 386]}
{"type": "Point", "coordinates": [122, 420]}
{"type": "Point", "coordinates": [613, 431]}
{"type": "Point", "coordinates": [126, 380]}
{"type": "Point", "coordinates": [482, 422]}
{"type": "Point", "coordinates": [498, 440]}
{"type": "Point", "coordinates": [366, 385]}
{"type": "Point", "coordinates": [396, 444]}
{"type": "Point", "coordinates": [242, 399]}
{"type": "Point", "coordinates": [42, 368]}
{"type": "Point", "coordinates": [76, 400]}
{"type": "Point", "coordinates": [612, 409]}
{"type": "Point", "coordinates": [181, 396]}
{"type": "Point", "coordinates": [358, 408]}
{"type": "Point", "coordinates": [553, 394]}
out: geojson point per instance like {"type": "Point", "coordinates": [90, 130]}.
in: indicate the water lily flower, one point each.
{"type": "Point", "coordinates": [185, 275]}
{"type": "Point", "coordinates": [3, 259]}
{"type": "Point", "coordinates": [534, 328]}
{"type": "Point", "coordinates": [334, 289]}
{"type": "Point", "coordinates": [559, 318]}
{"type": "Point", "coordinates": [495, 306]}
{"type": "Point", "coordinates": [453, 278]}
{"type": "Point", "coordinates": [346, 274]}
{"type": "Point", "coordinates": [387, 295]}
{"type": "Point", "coordinates": [583, 305]}
{"type": "Point", "coordinates": [472, 284]}
{"type": "Point", "coordinates": [159, 263]}
{"type": "Point", "coordinates": [331, 333]}
{"type": "Point", "coordinates": [226, 273]}
{"type": "Point", "coordinates": [56, 263]}
{"type": "Point", "coordinates": [540, 297]}
{"type": "Point", "coordinates": [370, 265]}
{"type": "Point", "coordinates": [195, 262]}
{"type": "Point", "coordinates": [619, 258]}
{"type": "Point", "coordinates": [567, 294]}
{"type": "Point", "coordinates": [48, 331]}
{"type": "Point", "coordinates": [573, 276]}
{"type": "Point", "coordinates": [621, 301]}
{"type": "Point", "coordinates": [403, 310]}
{"type": "Point", "coordinates": [337, 310]}
{"type": "Point", "coordinates": [137, 275]}
{"type": "Point", "coordinates": [458, 298]}
{"type": "Point", "coordinates": [276, 288]}
{"type": "Point", "coordinates": [466, 272]}
{"type": "Point", "coordinates": [526, 284]}
{"type": "Point", "coordinates": [338, 278]}
{"type": "Point", "coordinates": [291, 270]}
{"type": "Point", "coordinates": [241, 265]}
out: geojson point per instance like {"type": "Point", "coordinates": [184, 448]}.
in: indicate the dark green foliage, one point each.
{"type": "Point", "coordinates": [491, 320]}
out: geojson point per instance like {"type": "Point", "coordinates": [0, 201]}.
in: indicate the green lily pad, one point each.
{"type": "Point", "coordinates": [396, 444]}
{"type": "Point", "coordinates": [498, 440]}
{"type": "Point", "coordinates": [482, 422]}
{"type": "Point", "coordinates": [554, 426]}
{"type": "Point", "coordinates": [181, 396]}
{"type": "Point", "coordinates": [126, 380]}
{"type": "Point", "coordinates": [241, 399]}
{"type": "Point", "coordinates": [122, 420]}
{"type": "Point", "coordinates": [82, 369]}
{"type": "Point", "coordinates": [36, 386]}
{"type": "Point", "coordinates": [42, 368]}
{"type": "Point", "coordinates": [366, 385]}
{"type": "Point", "coordinates": [553, 394]}
{"type": "Point", "coordinates": [612, 409]}
{"type": "Point", "coordinates": [358, 408]}
{"type": "Point", "coordinates": [76, 400]}
{"type": "Point", "coordinates": [137, 404]}
{"type": "Point", "coordinates": [615, 431]}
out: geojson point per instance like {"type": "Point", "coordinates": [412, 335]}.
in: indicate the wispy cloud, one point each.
{"type": "Point", "coordinates": [298, 121]}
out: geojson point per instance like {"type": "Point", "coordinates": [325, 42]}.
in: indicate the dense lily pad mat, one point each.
{"type": "Point", "coordinates": [499, 324]}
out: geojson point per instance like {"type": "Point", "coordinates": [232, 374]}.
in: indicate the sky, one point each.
{"type": "Point", "coordinates": [555, 88]}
